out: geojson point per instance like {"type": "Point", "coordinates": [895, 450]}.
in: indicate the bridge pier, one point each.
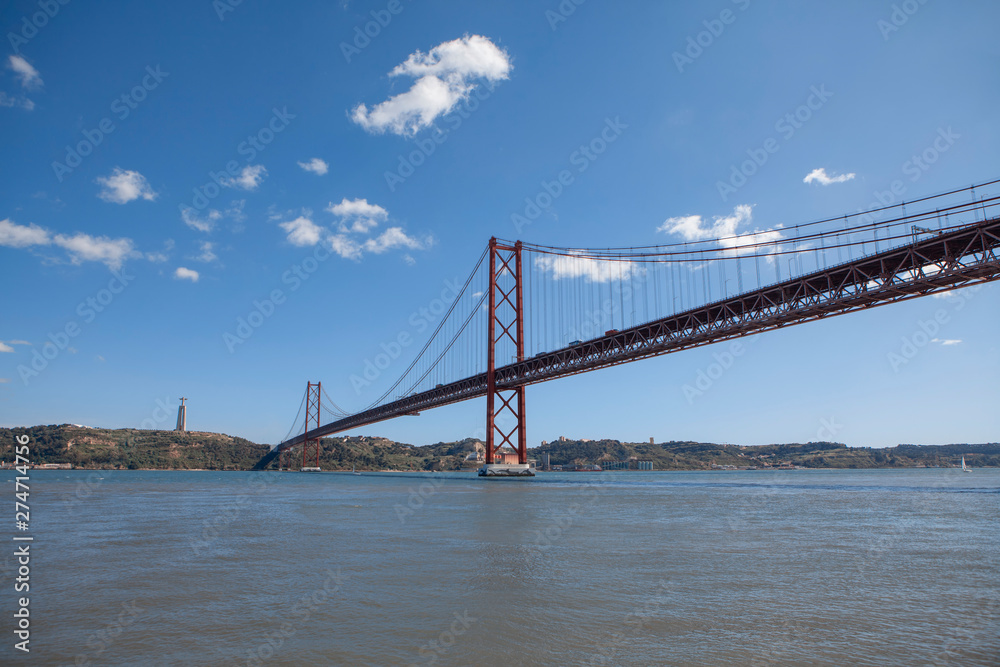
{"type": "Point", "coordinates": [506, 470]}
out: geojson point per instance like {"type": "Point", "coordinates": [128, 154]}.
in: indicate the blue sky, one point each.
{"type": "Point", "coordinates": [167, 165]}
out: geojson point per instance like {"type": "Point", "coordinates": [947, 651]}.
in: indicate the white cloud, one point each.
{"type": "Point", "coordinates": [249, 178]}
{"type": "Point", "coordinates": [13, 235]}
{"type": "Point", "coordinates": [745, 244]}
{"type": "Point", "coordinates": [123, 186]}
{"type": "Point", "coordinates": [594, 270]}
{"type": "Point", "coordinates": [820, 176]}
{"type": "Point", "coordinates": [357, 208]}
{"type": "Point", "coordinates": [8, 101]}
{"type": "Point", "coordinates": [395, 237]}
{"type": "Point", "coordinates": [316, 166]}
{"type": "Point", "coordinates": [302, 231]}
{"type": "Point", "coordinates": [723, 229]}
{"type": "Point", "coordinates": [202, 224]}
{"type": "Point", "coordinates": [5, 348]}
{"type": "Point", "coordinates": [360, 226]}
{"type": "Point", "coordinates": [162, 256]}
{"type": "Point", "coordinates": [344, 246]}
{"type": "Point", "coordinates": [693, 227]}
{"type": "Point", "coordinates": [445, 76]}
{"type": "Point", "coordinates": [206, 222]}
{"type": "Point", "coordinates": [357, 215]}
{"type": "Point", "coordinates": [206, 253]}
{"type": "Point", "coordinates": [235, 210]}
{"type": "Point", "coordinates": [186, 274]}
{"type": "Point", "coordinates": [946, 341]}
{"type": "Point", "coordinates": [83, 247]}
{"type": "Point", "coordinates": [29, 76]}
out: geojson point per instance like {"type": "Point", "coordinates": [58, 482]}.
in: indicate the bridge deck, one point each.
{"type": "Point", "coordinates": [942, 262]}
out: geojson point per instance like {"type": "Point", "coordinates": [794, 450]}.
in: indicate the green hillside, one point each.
{"type": "Point", "coordinates": [130, 448]}
{"type": "Point", "coordinates": [170, 450]}
{"type": "Point", "coordinates": [700, 456]}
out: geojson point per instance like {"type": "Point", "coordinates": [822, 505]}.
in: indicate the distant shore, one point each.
{"type": "Point", "coordinates": [68, 446]}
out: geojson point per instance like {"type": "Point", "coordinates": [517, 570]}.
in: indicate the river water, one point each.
{"type": "Point", "coordinates": [647, 568]}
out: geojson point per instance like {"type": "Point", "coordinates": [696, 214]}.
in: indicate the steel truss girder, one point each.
{"type": "Point", "coordinates": [959, 258]}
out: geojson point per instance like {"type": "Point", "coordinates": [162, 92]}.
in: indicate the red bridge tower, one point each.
{"type": "Point", "coordinates": [505, 328]}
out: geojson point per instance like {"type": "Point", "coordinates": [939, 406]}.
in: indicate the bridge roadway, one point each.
{"type": "Point", "coordinates": [956, 258]}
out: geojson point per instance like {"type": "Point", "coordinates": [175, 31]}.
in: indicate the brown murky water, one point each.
{"type": "Point", "coordinates": [760, 568]}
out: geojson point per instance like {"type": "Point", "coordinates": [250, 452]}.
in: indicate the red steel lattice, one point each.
{"type": "Point", "coordinates": [506, 314]}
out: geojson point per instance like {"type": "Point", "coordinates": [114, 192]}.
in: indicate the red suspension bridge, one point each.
{"type": "Point", "coordinates": [531, 313]}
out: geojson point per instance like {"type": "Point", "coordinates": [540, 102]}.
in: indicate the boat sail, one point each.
{"type": "Point", "coordinates": [965, 468]}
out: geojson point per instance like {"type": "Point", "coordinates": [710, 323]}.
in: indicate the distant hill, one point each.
{"type": "Point", "coordinates": [133, 449]}
{"type": "Point", "coordinates": [700, 456]}
{"type": "Point", "coordinates": [85, 447]}
{"type": "Point", "coordinates": [130, 448]}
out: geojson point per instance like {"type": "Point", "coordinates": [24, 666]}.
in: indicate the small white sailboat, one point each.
{"type": "Point", "coordinates": [353, 471]}
{"type": "Point", "coordinates": [965, 468]}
